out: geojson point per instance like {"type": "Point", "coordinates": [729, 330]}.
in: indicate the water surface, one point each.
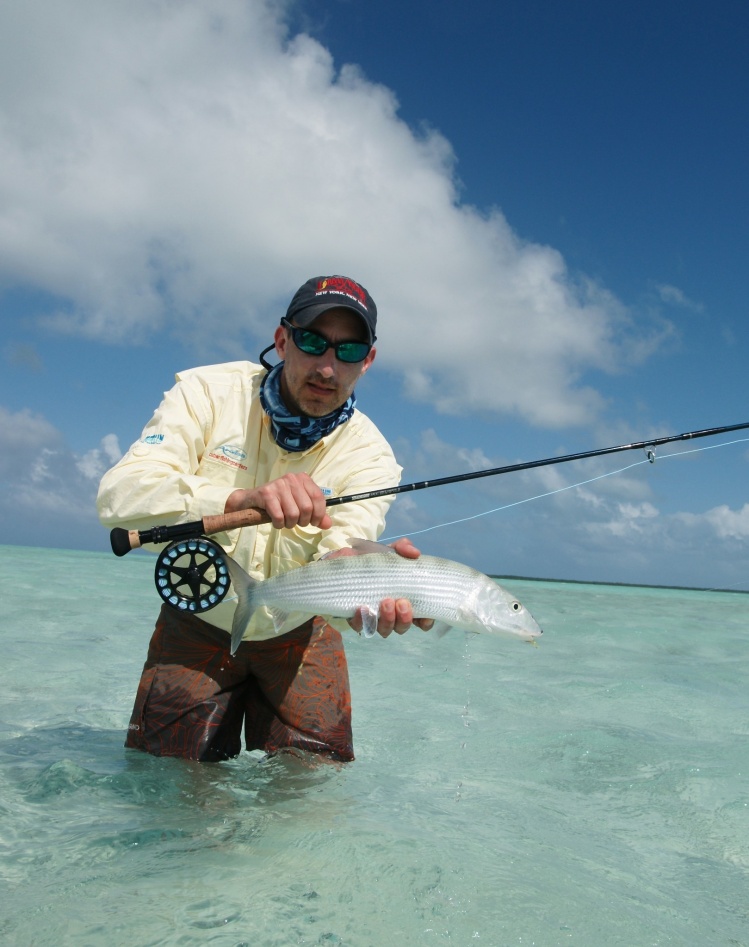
{"type": "Point", "coordinates": [591, 791]}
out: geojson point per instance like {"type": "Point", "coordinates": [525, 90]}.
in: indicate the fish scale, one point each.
{"type": "Point", "coordinates": [341, 585]}
{"type": "Point", "coordinates": [453, 594]}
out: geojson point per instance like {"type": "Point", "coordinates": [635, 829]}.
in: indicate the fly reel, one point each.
{"type": "Point", "coordinates": [192, 574]}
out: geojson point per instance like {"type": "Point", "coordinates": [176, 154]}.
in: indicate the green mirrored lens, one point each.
{"type": "Point", "coordinates": [310, 342]}
{"type": "Point", "coordinates": [352, 351]}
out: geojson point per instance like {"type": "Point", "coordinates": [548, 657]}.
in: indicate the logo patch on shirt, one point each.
{"type": "Point", "coordinates": [236, 453]}
{"type": "Point", "coordinates": [326, 491]}
{"type": "Point", "coordinates": [153, 439]}
{"type": "Point", "coordinates": [229, 455]}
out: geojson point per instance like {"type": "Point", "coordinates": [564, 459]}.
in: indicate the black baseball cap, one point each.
{"type": "Point", "coordinates": [321, 293]}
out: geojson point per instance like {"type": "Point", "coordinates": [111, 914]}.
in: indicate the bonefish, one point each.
{"type": "Point", "coordinates": [453, 594]}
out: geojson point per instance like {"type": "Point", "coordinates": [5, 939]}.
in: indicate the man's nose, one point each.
{"type": "Point", "coordinates": [326, 363]}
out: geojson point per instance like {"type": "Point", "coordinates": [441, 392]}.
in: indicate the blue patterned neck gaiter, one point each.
{"type": "Point", "coordinates": [297, 432]}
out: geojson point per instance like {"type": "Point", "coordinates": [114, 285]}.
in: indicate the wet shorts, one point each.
{"type": "Point", "coordinates": [194, 697]}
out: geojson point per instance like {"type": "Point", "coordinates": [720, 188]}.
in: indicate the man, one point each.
{"type": "Point", "coordinates": [235, 436]}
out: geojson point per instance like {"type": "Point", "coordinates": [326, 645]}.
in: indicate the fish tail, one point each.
{"type": "Point", "coordinates": [244, 586]}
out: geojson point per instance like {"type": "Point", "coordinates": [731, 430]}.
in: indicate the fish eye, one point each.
{"type": "Point", "coordinates": [516, 606]}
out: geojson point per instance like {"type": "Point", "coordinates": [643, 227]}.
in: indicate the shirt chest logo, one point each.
{"type": "Point", "coordinates": [230, 455]}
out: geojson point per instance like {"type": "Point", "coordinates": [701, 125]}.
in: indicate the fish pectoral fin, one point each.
{"type": "Point", "coordinates": [369, 619]}
{"type": "Point", "coordinates": [441, 628]}
{"type": "Point", "coordinates": [363, 546]}
{"type": "Point", "coordinates": [278, 617]}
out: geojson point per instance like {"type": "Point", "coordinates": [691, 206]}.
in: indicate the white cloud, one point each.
{"type": "Point", "coordinates": [41, 477]}
{"type": "Point", "coordinates": [433, 453]}
{"type": "Point", "coordinates": [184, 166]}
{"type": "Point", "coordinates": [23, 435]}
{"type": "Point", "coordinates": [726, 523]}
{"type": "Point", "coordinates": [674, 296]}
{"type": "Point", "coordinates": [625, 519]}
{"type": "Point", "coordinates": [97, 461]}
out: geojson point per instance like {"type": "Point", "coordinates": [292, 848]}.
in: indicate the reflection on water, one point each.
{"type": "Point", "coordinates": [592, 790]}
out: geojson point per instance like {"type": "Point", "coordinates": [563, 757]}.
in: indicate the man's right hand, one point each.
{"type": "Point", "coordinates": [292, 500]}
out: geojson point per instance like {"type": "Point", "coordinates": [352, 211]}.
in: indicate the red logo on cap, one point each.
{"type": "Point", "coordinates": [340, 284]}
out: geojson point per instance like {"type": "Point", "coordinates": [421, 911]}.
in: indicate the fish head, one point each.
{"type": "Point", "coordinates": [501, 613]}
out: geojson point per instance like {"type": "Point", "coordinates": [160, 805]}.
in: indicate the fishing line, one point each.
{"type": "Point", "coordinates": [650, 459]}
{"type": "Point", "coordinates": [507, 506]}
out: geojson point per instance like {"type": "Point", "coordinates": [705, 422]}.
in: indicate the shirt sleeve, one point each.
{"type": "Point", "coordinates": [157, 478]}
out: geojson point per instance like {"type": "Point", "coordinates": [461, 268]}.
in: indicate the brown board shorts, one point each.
{"type": "Point", "coordinates": [194, 697]}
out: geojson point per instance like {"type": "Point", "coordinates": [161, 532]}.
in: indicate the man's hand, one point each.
{"type": "Point", "coordinates": [292, 500]}
{"type": "Point", "coordinates": [396, 615]}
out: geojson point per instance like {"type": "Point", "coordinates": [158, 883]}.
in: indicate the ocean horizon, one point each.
{"type": "Point", "coordinates": [625, 585]}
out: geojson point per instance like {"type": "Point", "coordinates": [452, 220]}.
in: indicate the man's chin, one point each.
{"type": "Point", "coordinates": [318, 411]}
{"type": "Point", "coordinates": [317, 406]}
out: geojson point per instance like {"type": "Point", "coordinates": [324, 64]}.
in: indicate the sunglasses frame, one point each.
{"type": "Point", "coordinates": [336, 346]}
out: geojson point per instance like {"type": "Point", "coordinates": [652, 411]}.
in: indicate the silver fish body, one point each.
{"type": "Point", "coordinates": [452, 594]}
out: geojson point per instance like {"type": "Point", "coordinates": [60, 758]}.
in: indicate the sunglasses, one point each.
{"type": "Point", "coordinates": [312, 343]}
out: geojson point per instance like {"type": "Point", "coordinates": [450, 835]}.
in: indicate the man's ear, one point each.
{"type": "Point", "coordinates": [368, 360]}
{"type": "Point", "coordinates": [281, 338]}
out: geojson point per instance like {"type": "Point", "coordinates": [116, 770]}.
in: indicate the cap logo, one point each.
{"type": "Point", "coordinates": [340, 284]}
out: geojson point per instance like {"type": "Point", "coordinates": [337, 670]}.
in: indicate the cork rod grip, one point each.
{"type": "Point", "coordinates": [226, 521]}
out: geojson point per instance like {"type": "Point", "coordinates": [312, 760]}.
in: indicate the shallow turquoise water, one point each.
{"type": "Point", "coordinates": [591, 791]}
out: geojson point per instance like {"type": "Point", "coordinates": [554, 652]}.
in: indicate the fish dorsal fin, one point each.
{"type": "Point", "coordinates": [363, 546]}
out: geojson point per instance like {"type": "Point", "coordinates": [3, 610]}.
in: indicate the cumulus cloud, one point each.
{"type": "Point", "coordinates": [45, 486]}
{"type": "Point", "coordinates": [94, 463]}
{"type": "Point", "coordinates": [726, 523]}
{"type": "Point", "coordinates": [626, 519]}
{"type": "Point", "coordinates": [23, 435]}
{"type": "Point", "coordinates": [181, 167]}
{"type": "Point", "coordinates": [604, 519]}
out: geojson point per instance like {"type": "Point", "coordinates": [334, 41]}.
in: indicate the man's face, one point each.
{"type": "Point", "coordinates": [315, 385]}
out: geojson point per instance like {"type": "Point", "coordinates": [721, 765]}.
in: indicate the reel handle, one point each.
{"type": "Point", "coordinates": [123, 540]}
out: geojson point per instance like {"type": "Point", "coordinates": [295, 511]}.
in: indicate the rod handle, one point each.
{"type": "Point", "coordinates": [123, 540]}
{"type": "Point", "coordinates": [226, 521]}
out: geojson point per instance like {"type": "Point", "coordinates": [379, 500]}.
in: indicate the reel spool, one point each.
{"type": "Point", "coordinates": [192, 574]}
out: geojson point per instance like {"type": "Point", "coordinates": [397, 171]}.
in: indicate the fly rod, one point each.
{"type": "Point", "coordinates": [124, 540]}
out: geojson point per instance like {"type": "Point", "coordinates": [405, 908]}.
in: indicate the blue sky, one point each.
{"type": "Point", "coordinates": [547, 201]}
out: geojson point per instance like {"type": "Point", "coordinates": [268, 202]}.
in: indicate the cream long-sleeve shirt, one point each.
{"type": "Point", "coordinates": [211, 436]}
